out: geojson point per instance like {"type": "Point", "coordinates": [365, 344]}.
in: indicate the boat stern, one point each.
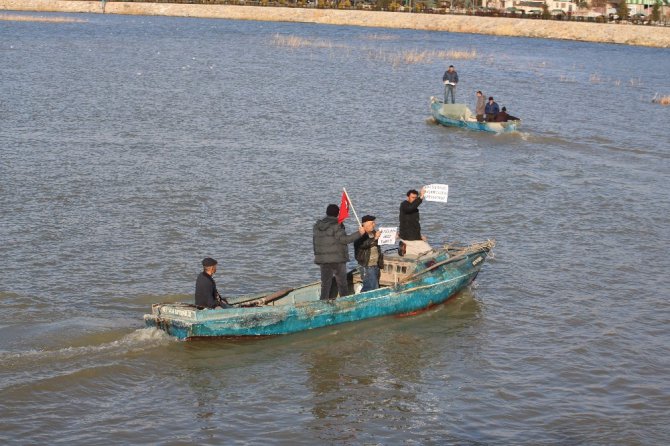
{"type": "Point", "coordinates": [174, 319]}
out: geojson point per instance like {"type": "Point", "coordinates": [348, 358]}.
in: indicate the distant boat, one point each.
{"type": "Point", "coordinates": [459, 115]}
{"type": "Point", "coordinates": [406, 286]}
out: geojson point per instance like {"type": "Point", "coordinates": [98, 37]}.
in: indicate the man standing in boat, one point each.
{"type": "Point", "coordinates": [450, 79]}
{"type": "Point", "coordinates": [206, 294]}
{"type": "Point", "coordinates": [369, 254]}
{"type": "Point", "coordinates": [480, 106]}
{"type": "Point", "coordinates": [409, 230]}
{"type": "Point", "coordinates": [331, 251]}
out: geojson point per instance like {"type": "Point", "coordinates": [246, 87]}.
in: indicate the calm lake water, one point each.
{"type": "Point", "coordinates": [132, 147]}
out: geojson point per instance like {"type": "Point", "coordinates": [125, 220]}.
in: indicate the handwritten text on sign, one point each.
{"type": "Point", "coordinates": [388, 235]}
{"type": "Point", "coordinates": [437, 192]}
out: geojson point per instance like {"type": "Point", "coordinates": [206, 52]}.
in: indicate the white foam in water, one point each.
{"type": "Point", "coordinates": [138, 340]}
{"type": "Point", "coordinates": [147, 334]}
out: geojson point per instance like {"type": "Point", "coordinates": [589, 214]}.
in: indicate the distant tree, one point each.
{"type": "Point", "coordinates": [383, 4]}
{"type": "Point", "coordinates": [656, 12]}
{"type": "Point", "coordinates": [599, 5]}
{"type": "Point", "coordinates": [622, 10]}
{"type": "Point", "coordinates": [546, 15]}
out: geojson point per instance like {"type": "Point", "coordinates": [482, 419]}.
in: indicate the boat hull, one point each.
{"type": "Point", "coordinates": [471, 124]}
{"type": "Point", "coordinates": [431, 288]}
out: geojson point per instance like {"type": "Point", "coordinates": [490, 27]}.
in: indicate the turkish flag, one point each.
{"type": "Point", "coordinates": [344, 208]}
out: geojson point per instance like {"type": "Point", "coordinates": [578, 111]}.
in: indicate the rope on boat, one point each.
{"type": "Point", "coordinates": [460, 253]}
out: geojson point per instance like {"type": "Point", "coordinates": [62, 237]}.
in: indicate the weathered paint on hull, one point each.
{"type": "Point", "coordinates": [491, 127]}
{"type": "Point", "coordinates": [425, 291]}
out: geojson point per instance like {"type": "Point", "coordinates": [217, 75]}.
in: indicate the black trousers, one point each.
{"type": "Point", "coordinates": [330, 271]}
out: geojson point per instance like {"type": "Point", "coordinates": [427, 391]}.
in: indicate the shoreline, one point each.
{"type": "Point", "coordinates": [634, 35]}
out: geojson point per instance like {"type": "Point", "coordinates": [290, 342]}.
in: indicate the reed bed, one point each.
{"type": "Point", "coordinates": [663, 100]}
{"type": "Point", "coordinates": [29, 18]}
{"type": "Point", "coordinates": [381, 37]}
{"type": "Point", "coordinates": [458, 54]}
{"type": "Point", "coordinates": [299, 42]}
{"type": "Point", "coordinates": [413, 57]}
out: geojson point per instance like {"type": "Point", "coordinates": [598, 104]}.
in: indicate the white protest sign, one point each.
{"type": "Point", "coordinates": [388, 236]}
{"type": "Point", "coordinates": [436, 192]}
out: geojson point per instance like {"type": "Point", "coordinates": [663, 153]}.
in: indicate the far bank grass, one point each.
{"type": "Point", "coordinates": [395, 58]}
{"type": "Point", "coordinates": [29, 18]}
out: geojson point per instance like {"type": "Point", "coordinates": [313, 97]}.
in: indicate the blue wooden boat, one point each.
{"type": "Point", "coordinates": [407, 285]}
{"type": "Point", "coordinates": [459, 115]}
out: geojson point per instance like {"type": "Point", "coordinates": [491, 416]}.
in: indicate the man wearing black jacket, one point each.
{"type": "Point", "coordinates": [331, 252]}
{"type": "Point", "coordinates": [410, 227]}
{"type": "Point", "coordinates": [206, 294]}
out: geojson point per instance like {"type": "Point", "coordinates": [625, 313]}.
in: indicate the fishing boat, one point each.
{"type": "Point", "coordinates": [407, 285]}
{"type": "Point", "coordinates": [459, 115]}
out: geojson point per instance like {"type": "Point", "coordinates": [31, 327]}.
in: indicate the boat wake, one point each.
{"type": "Point", "coordinates": [53, 363]}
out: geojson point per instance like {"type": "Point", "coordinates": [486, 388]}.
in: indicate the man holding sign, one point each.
{"type": "Point", "coordinates": [369, 255]}
{"type": "Point", "coordinates": [410, 227]}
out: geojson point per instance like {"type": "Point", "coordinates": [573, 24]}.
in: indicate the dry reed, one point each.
{"type": "Point", "coordinates": [299, 42]}
{"type": "Point", "coordinates": [458, 54]}
{"type": "Point", "coordinates": [663, 100]}
{"type": "Point", "coordinates": [412, 57]}
{"type": "Point", "coordinates": [381, 37]}
{"type": "Point", "coordinates": [28, 18]}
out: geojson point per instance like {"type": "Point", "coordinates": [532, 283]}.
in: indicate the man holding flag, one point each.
{"type": "Point", "coordinates": [331, 252]}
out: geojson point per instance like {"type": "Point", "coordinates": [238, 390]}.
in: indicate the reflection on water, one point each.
{"type": "Point", "coordinates": [370, 385]}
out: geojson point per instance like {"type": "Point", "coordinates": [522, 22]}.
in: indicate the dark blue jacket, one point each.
{"type": "Point", "coordinates": [450, 76]}
{"type": "Point", "coordinates": [492, 109]}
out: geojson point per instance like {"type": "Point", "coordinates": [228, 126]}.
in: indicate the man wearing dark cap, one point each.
{"type": "Point", "coordinates": [409, 230]}
{"type": "Point", "coordinates": [206, 294]}
{"type": "Point", "coordinates": [331, 252]}
{"type": "Point", "coordinates": [491, 110]}
{"type": "Point", "coordinates": [369, 254]}
{"type": "Point", "coordinates": [503, 116]}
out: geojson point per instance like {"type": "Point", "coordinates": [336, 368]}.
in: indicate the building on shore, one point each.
{"type": "Point", "coordinates": [590, 8]}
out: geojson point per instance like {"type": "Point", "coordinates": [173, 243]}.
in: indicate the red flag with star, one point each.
{"type": "Point", "coordinates": [344, 208]}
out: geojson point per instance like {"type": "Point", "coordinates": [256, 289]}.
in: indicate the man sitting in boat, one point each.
{"type": "Point", "coordinates": [369, 254]}
{"type": "Point", "coordinates": [504, 117]}
{"type": "Point", "coordinates": [412, 242]}
{"type": "Point", "coordinates": [491, 110]}
{"type": "Point", "coordinates": [206, 294]}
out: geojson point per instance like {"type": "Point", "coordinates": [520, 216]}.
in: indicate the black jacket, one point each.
{"type": "Point", "coordinates": [205, 291]}
{"type": "Point", "coordinates": [330, 241]}
{"type": "Point", "coordinates": [410, 228]}
{"type": "Point", "coordinates": [362, 248]}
